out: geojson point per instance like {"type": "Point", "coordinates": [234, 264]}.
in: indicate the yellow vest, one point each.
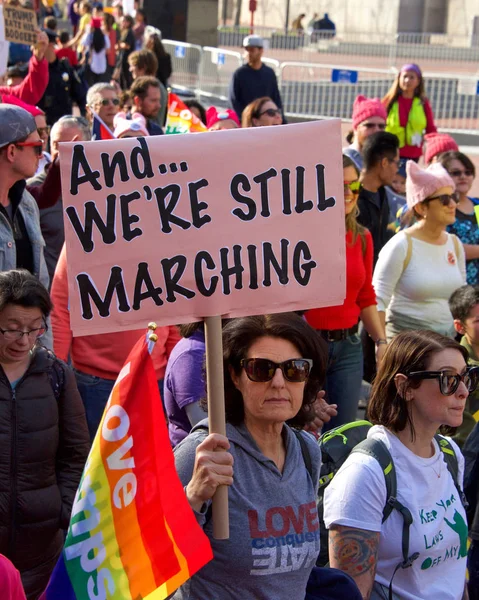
{"type": "Point", "coordinates": [411, 135]}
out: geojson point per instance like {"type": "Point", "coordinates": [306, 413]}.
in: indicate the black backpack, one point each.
{"type": "Point", "coordinates": [336, 445]}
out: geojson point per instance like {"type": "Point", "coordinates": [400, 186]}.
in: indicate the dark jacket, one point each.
{"type": "Point", "coordinates": [247, 84]}
{"type": "Point", "coordinates": [375, 218]}
{"type": "Point", "coordinates": [64, 88]}
{"type": "Point", "coordinates": [51, 218]}
{"type": "Point", "coordinates": [44, 444]}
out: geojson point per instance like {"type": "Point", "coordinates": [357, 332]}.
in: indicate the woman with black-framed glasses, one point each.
{"type": "Point", "coordinates": [463, 172]}
{"type": "Point", "coordinates": [261, 113]}
{"type": "Point", "coordinates": [273, 368]}
{"type": "Point", "coordinates": [420, 267]}
{"type": "Point", "coordinates": [44, 438]}
{"type": "Point", "coordinates": [421, 386]}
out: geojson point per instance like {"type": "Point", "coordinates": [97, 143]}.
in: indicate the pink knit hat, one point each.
{"type": "Point", "coordinates": [436, 143]}
{"type": "Point", "coordinates": [420, 183]}
{"type": "Point", "coordinates": [364, 108]}
{"type": "Point", "coordinates": [213, 116]}
{"type": "Point", "coordinates": [137, 123]}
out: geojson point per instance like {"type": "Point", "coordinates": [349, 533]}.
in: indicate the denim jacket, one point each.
{"type": "Point", "coordinates": [31, 216]}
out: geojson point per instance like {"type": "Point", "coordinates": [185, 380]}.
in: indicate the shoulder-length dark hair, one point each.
{"type": "Point", "coordinates": [240, 334]}
{"type": "Point", "coordinates": [395, 91]}
{"type": "Point", "coordinates": [409, 351]}
{"type": "Point", "coordinates": [21, 288]}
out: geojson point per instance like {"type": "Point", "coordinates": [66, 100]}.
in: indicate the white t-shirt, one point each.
{"type": "Point", "coordinates": [422, 290]}
{"type": "Point", "coordinates": [98, 62]}
{"type": "Point", "coordinates": [356, 498]}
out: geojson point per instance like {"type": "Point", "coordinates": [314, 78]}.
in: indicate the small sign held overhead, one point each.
{"type": "Point", "coordinates": [20, 25]}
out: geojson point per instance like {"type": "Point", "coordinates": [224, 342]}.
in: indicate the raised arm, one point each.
{"type": "Point", "coordinates": [355, 552]}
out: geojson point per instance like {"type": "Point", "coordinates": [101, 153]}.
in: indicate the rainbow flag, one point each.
{"type": "Point", "coordinates": [180, 119]}
{"type": "Point", "coordinates": [132, 533]}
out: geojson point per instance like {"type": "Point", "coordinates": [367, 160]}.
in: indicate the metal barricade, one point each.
{"type": "Point", "coordinates": [216, 69]}
{"type": "Point", "coordinates": [186, 59]}
{"type": "Point", "coordinates": [434, 52]}
{"type": "Point", "coordinates": [454, 101]}
{"type": "Point", "coordinates": [325, 91]}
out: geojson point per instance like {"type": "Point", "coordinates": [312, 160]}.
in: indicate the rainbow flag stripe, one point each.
{"type": "Point", "coordinates": [132, 533]}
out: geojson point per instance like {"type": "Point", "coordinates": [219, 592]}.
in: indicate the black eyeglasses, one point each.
{"type": "Point", "coordinates": [381, 126]}
{"type": "Point", "coordinates": [271, 112]}
{"type": "Point", "coordinates": [444, 199]}
{"type": "Point", "coordinates": [449, 382]}
{"type": "Point", "coordinates": [459, 173]}
{"type": "Point", "coordinates": [12, 335]}
{"type": "Point", "coordinates": [261, 370]}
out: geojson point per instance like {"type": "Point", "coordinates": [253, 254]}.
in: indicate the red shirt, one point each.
{"type": "Point", "coordinates": [404, 105]}
{"type": "Point", "coordinates": [359, 288]}
{"type": "Point", "coordinates": [67, 53]}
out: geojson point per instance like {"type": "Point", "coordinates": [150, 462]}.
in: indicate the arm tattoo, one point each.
{"type": "Point", "coordinates": [354, 550]}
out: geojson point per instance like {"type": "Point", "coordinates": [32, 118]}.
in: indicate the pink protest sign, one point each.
{"type": "Point", "coordinates": [172, 229]}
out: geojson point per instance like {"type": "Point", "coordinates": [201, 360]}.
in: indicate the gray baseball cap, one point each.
{"type": "Point", "coordinates": [16, 124]}
{"type": "Point", "coordinates": [253, 41]}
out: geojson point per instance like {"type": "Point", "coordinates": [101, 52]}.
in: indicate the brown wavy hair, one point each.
{"type": "Point", "coordinates": [239, 335]}
{"type": "Point", "coordinates": [409, 351]}
{"type": "Point", "coordinates": [253, 110]}
{"type": "Point", "coordinates": [352, 219]}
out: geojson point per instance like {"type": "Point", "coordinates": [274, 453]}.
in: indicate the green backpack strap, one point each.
{"type": "Point", "coordinates": [378, 450]}
{"type": "Point", "coordinates": [452, 464]}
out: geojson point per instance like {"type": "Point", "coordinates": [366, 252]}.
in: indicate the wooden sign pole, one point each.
{"type": "Point", "coordinates": [216, 415]}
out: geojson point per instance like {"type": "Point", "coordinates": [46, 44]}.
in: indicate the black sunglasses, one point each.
{"type": "Point", "coordinates": [458, 173]}
{"type": "Point", "coordinates": [444, 199]}
{"type": "Point", "coordinates": [106, 101]}
{"type": "Point", "coordinates": [449, 382]}
{"type": "Point", "coordinates": [271, 112]}
{"type": "Point", "coordinates": [261, 370]}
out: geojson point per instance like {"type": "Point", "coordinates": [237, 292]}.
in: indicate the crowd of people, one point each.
{"type": "Point", "coordinates": [408, 325]}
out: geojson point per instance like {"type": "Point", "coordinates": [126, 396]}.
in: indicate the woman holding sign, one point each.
{"type": "Point", "coordinates": [338, 325]}
{"type": "Point", "coordinates": [273, 368]}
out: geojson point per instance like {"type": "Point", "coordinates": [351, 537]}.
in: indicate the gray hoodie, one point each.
{"type": "Point", "coordinates": [274, 527]}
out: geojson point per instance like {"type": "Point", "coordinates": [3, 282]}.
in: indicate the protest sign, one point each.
{"type": "Point", "coordinates": [20, 24]}
{"type": "Point", "coordinates": [178, 228]}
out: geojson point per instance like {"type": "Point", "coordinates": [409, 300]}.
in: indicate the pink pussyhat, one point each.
{"type": "Point", "coordinates": [421, 184]}
{"type": "Point", "coordinates": [437, 143]}
{"type": "Point", "coordinates": [365, 108]}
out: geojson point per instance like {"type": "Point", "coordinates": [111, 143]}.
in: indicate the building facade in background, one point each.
{"type": "Point", "coordinates": [454, 17]}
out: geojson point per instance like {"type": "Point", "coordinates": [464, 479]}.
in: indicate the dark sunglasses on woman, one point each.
{"type": "Point", "coordinates": [459, 173]}
{"type": "Point", "coordinates": [271, 112]}
{"type": "Point", "coordinates": [261, 370]}
{"type": "Point", "coordinates": [353, 186]}
{"type": "Point", "coordinates": [444, 199]}
{"type": "Point", "coordinates": [449, 382]}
